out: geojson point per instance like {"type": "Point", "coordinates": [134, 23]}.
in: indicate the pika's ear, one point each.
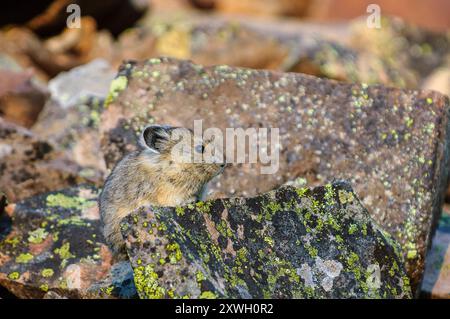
{"type": "Point", "coordinates": [154, 137]}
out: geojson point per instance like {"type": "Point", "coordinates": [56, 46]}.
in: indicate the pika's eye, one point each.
{"type": "Point", "coordinates": [200, 149]}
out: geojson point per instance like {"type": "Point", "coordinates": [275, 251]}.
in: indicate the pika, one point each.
{"type": "Point", "coordinates": [162, 172]}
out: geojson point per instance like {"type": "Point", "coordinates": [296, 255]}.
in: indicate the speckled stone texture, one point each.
{"type": "Point", "coordinates": [288, 243]}
{"type": "Point", "coordinates": [391, 144]}
{"type": "Point", "coordinates": [52, 243]}
{"type": "Point", "coordinates": [30, 165]}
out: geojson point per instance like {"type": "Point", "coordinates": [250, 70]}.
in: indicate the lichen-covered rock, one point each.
{"type": "Point", "coordinates": [436, 281]}
{"type": "Point", "coordinates": [30, 165]}
{"type": "Point", "coordinates": [54, 244]}
{"type": "Point", "coordinates": [288, 243]}
{"type": "Point", "coordinates": [391, 144]}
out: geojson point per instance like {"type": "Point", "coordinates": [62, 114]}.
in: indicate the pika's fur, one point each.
{"type": "Point", "coordinates": [154, 175]}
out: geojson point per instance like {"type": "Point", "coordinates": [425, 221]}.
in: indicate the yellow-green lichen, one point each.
{"type": "Point", "coordinates": [117, 85]}
{"type": "Point", "coordinates": [312, 251]}
{"type": "Point", "coordinates": [223, 229]}
{"type": "Point", "coordinates": [63, 283]}
{"type": "Point", "coordinates": [64, 201]}
{"type": "Point", "coordinates": [199, 276]}
{"type": "Point", "coordinates": [329, 194]}
{"type": "Point", "coordinates": [208, 295]}
{"type": "Point", "coordinates": [352, 229]}
{"type": "Point", "coordinates": [146, 281]}
{"type": "Point", "coordinates": [14, 275]}
{"type": "Point", "coordinates": [174, 251]}
{"type": "Point", "coordinates": [302, 191]}
{"type": "Point", "coordinates": [271, 208]}
{"type": "Point", "coordinates": [47, 272]}
{"type": "Point", "coordinates": [409, 121]}
{"type": "Point", "coordinates": [64, 251]}
{"type": "Point", "coordinates": [13, 241]}
{"type": "Point", "coordinates": [268, 240]}
{"type": "Point", "coordinates": [107, 290]}
{"type": "Point", "coordinates": [73, 220]}
{"type": "Point", "coordinates": [345, 197]}
{"type": "Point", "coordinates": [179, 211]}
{"type": "Point", "coordinates": [203, 207]}
{"type": "Point", "coordinates": [37, 236]}
{"type": "Point", "coordinates": [353, 265]}
{"type": "Point", "coordinates": [364, 229]}
{"type": "Point", "coordinates": [44, 287]}
{"type": "Point", "coordinates": [24, 258]}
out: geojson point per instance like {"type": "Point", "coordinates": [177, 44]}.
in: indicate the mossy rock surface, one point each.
{"type": "Point", "coordinates": [391, 144]}
{"type": "Point", "coordinates": [288, 243]}
{"type": "Point", "coordinates": [52, 243]}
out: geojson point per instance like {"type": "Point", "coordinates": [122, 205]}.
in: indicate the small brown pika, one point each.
{"type": "Point", "coordinates": [164, 171]}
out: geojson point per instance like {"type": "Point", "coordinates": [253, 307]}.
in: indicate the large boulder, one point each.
{"type": "Point", "coordinates": [391, 144]}
{"type": "Point", "coordinates": [288, 243]}
{"type": "Point", "coordinates": [52, 243]}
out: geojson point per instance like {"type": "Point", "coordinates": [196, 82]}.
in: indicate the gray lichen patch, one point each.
{"type": "Point", "coordinates": [288, 243]}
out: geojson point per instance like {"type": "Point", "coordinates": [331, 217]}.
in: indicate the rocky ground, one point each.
{"type": "Point", "coordinates": [357, 209]}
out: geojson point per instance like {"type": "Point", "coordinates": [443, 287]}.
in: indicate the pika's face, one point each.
{"type": "Point", "coordinates": [185, 158]}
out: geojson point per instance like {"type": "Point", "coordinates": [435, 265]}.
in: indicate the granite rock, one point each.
{"type": "Point", "coordinates": [288, 243]}
{"type": "Point", "coordinates": [30, 165]}
{"type": "Point", "coordinates": [391, 144]}
{"type": "Point", "coordinates": [54, 244]}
